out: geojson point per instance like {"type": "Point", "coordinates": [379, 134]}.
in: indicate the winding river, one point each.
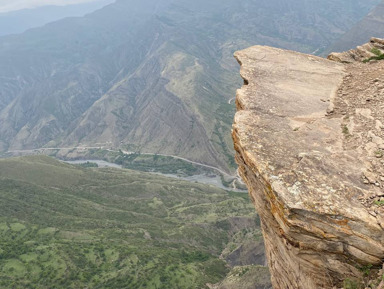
{"type": "Point", "coordinates": [213, 180]}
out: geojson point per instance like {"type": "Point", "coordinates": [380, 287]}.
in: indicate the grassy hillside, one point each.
{"type": "Point", "coordinates": [18, 21]}
{"type": "Point", "coordinates": [244, 277]}
{"type": "Point", "coordinates": [63, 226]}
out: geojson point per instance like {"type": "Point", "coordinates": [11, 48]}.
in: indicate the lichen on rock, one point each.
{"type": "Point", "coordinates": [302, 136]}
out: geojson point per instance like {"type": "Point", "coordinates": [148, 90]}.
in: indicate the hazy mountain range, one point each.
{"type": "Point", "coordinates": [20, 20]}
{"type": "Point", "coordinates": [370, 26]}
{"type": "Point", "coordinates": [151, 76]}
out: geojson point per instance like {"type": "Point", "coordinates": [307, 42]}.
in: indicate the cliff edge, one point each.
{"type": "Point", "coordinates": [308, 135]}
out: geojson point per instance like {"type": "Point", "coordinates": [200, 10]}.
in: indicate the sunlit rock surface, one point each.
{"type": "Point", "coordinates": [307, 167]}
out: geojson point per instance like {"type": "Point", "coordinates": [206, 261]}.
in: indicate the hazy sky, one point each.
{"type": "Point", "coordinates": [11, 5]}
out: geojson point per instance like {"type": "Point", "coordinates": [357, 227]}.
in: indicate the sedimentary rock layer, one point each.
{"type": "Point", "coordinates": [307, 185]}
{"type": "Point", "coordinates": [373, 48]}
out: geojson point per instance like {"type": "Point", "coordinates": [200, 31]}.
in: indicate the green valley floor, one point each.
{"type": "Point", "coordinates": [66, 226]}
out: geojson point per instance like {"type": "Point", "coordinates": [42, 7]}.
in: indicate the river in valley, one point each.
{"type": "Point", "coordinates": [212, 179]}
{"type": "Point", "coordinates": [101, 164]}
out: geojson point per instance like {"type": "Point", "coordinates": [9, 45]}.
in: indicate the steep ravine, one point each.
{"type": "Point", "coordinates": [321, 217]}
{"type": "Point", "coordinates": [150, 76]}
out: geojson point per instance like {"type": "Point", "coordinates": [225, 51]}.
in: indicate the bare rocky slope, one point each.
{"type": "Point", "coordinates": [150, 76]}
{"type": "Point", "coordinates": [308, 136]}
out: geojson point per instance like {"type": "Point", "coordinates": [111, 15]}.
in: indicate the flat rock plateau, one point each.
{"type": "Point", "coordinates": [309, 141]}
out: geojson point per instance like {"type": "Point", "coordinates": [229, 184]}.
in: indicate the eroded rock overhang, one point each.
{"type": "Point", "coordinates": [305, 185]}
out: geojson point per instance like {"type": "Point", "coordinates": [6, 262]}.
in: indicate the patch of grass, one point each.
{"type": "Point", "coordinates": [345, 131]}
{"type": "Point", "coordinates": [351, 284]}
{"type": "Point", "coordinates": [245, 196]}
{"type": "Point", "coordinates": [221, 132]}
{"type": "Point", "coordinates": [246, 277]}
{"type": "Point", "coordinates": [156, 163]}
{"type": "Point", "coordinates": [379, 153]}
{"type": "Point", "coordinates": [17, 227]}
{"type": "Point", "coordinates": [376, 51]}
{"type": "Point", "coordinates": [14, 268]}
{"type": "Point", "coordinates": [366, 270]}
{"type": "Point", "coordinates": [379, 203]}
{"type": "Point", "coordinates": [89, 165]}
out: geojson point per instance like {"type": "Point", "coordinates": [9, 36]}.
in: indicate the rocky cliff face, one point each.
{"type": "Point", "coordinates": [363, 53]}
{"type": "Point", "coordinates": [308, 136]}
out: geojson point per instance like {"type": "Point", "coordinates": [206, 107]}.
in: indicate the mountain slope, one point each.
{"type": "Point", "coordinates": [63, 226]}
{"type": "Point", "coordinates": [371, 26]}
{"type": "Point", "coordinates": [149, 76]}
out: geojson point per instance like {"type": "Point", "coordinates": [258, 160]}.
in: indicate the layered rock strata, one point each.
{"type": "Point", "coordinates": [373, 48]}
{"type": "Point", "coordinates": [307, 151]}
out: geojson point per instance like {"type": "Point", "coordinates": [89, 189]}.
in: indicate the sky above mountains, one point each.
{"type": "Point", "coordinates": [13, 5]}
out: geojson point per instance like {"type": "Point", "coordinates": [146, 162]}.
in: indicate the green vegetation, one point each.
{"type": "Point", "coordinates": [172, 97]}
{"type": "Point", "coordinates": [156, 163]}
{"type": "Point", "coordinates": [89, 165]}
{"type": "Point", "coordinates": [379, 203]}
{"type": "Point", "coordinates": [149, 162]}
{"type": "Point", "coordinates": [368, 279]}
{"type": "Point", "coordinates": [366, 270]}
{"type": "Point", "coordinates": [64, 226]}
{"type": "Point", "coordinates": [346, 131]}
{"type": "Point", "coordinates": [378, 53]}
{"type": "Point", "coordinates": [246, 277]}
{"type": "Point", "coordinates": [351, 284]}
{"type": "Point", "coordinates": [379, 153]}
{"type": "Point", "coordinates": [221, 131]}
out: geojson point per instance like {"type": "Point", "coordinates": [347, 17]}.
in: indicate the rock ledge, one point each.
{"type": "Point", "coordinates": [307, 165]}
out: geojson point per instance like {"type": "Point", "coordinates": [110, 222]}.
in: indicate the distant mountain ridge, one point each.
{"type": "Point", "coordinates": [150, 76]}
{"type": "Point", "coordinates": [21, 20]}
